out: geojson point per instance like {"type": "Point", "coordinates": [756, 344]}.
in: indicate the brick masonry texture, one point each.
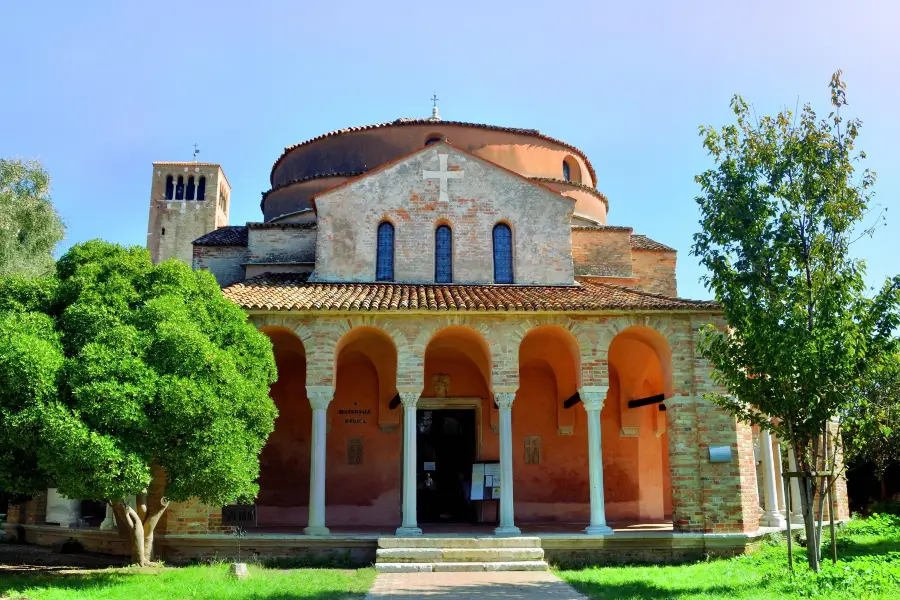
{"type": "Point", "coordinates": [175, 224]}
{"type": "Point", "coordinates": [348, 220]}
{"type": "Point", "coordinates": [604, 252]}
{"type": "Point", "coordinates": [655, 271]}
{"type": "Point", "coordinates": [226, 263]}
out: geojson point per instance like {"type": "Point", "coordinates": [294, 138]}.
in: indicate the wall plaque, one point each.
{"type": "Point", "coordinates": [239, 515]}
{"type": "Point", "coordinates": [719, 454]}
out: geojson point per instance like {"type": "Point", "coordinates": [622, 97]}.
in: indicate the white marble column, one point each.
{"type": "Point", "coordinates": [507, 517]}
{"type": "Point", "coordinates": [796, 504]}
{"type": "Point", "coordinates": [319, 398]}
{"type": "Point", "coordinates": [780, 494]}
{"type": "Point", "coordinates": [61, 510]}
{"type": "Point", "coordinates": [771, 518]}
{"type": "Point", "coordinates": [109, 522]}
{"type": "Point", "coordinates": [408, 525]}
{"type": "Point", "coordinates": [592, 398]}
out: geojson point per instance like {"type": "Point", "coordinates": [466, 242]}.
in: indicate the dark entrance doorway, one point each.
{"type": "Point", "coordinates": [445, 444]}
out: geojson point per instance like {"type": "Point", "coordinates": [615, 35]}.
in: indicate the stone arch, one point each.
{"type": "Point", "coordinates": [635, 439]}
{"type": "Point", "coordinates": [376, 346]}
{"type": "Point", "coordinates": [552, 432]}
{"type": "Point", "coordinates": [460, 342]}
{"type": "Point", "coordinates": [365, 383]}
{"type": "Point", "coordinates": [285, 459]}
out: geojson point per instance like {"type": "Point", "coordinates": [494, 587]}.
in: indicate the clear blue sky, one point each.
{"type": "Point", "coordinates": [99, 90]}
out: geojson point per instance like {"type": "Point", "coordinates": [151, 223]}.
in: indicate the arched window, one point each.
{"type": "Point", "coordinates": [170, 187]}
{"type": "Point", "coordinates": [201, 189]}
{"type": "Point", "coordinates": [443, 255]}
{"type": "Point", "coordinates": [179, 189]}
{"type": "Point", "coordinates": [384, 260]}
{"type": "Point", "coordinates": [190, 188]}
{"type": "Point", "coordinates": [567, 171]}
{"type": "Point", "coordinates": [503, 259]}
{"type": "Point", "coordinates": [432, 140]}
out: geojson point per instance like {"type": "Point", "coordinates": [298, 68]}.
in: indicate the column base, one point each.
{"type": "Point", "coordinates": [773, 520]}
{"type": "Point", "coordinates": [507, 531]}
{"type": "Point", "coordinates": [316, 531]}
{"type": "Point", "coordinates": [598, 530]}
{"type": "Point", "coordinates": [796, 519]}
{"type": "Point", "coordinates": [408, 531]}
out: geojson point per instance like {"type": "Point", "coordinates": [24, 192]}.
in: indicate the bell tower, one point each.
{"type": "Point", "coordinates": [187, 200]}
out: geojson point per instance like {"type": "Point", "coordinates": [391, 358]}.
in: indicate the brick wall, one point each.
{"type": "Point", "coordinates": [224, 262]}
{"type": "Point", "coordinates": [285, 242]}
{"type": "Point", "coordinates": [348, 218]}
{"type": "Point", "coordinates": [174, 224]}
{"type": "Point", "coordinates": [655, 271]}
{"type": "Point", "coordinates": [602, 251]}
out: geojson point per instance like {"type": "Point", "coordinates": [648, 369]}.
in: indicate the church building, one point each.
{"type": "Point", "coordinates": [465, 344]}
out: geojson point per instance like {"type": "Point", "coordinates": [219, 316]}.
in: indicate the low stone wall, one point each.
{"type": "Point", "coordinates": [667, 549]}
{"type": "Point", "coordinates": [101, 541]}
{"type": "Point", "coordinates": [359, 550]}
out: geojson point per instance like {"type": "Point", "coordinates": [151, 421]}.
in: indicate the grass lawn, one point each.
{"type": "Point", "coordinates": [195, 583]}
{"type": "Point", "coordinates": [869, 567]}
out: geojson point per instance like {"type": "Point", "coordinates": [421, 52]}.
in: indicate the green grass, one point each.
{"type": "Point", "coordinates": [195, 583]}
{"type": "Point", "coordinates": [868, 568]}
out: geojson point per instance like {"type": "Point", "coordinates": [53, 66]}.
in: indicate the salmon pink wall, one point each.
{"type": "Point", "coordinates": [556, 490]}
{"type": "Point", "coordinates": [284, 462]}
{"type": "Point", "coordinates": [367, 493]}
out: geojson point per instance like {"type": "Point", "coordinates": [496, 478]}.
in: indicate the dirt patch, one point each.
{"type": "Point", "coordinates": [20, 558]}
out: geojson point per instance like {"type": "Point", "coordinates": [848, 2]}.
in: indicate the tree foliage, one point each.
{"type": "Point", "coordinates": [117, 376]}
{"type": "Point", "coordinates": [30, 227]}
{"type": "Point", "coordinates": [872, 425]}
{"type": "Point", "coordinates": [779, 212]}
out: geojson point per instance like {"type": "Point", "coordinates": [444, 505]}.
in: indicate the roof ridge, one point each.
{"type": "Point", "coordinates": [649, 294]}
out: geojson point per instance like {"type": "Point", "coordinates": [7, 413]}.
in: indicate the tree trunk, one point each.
{"type": "Point", "coordinates": [807, 493]}
{"type": "Point", "coordinates": [136, 525]}
{"type": "Point", "coordinates": [883, 480]}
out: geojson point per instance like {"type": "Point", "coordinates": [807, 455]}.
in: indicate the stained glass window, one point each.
{"type": "Point", "coordinates": [384, 261]}
{"type": "Point", "coordinates": [503, 263]}
{"type": "Point", "coordinates": [567, 172]}
{"type": "Point", "coordinates": [443, 255]}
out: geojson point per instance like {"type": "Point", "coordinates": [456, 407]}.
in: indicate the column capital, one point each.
{"type": "Point", "coordinates": [504, 399]}
{"type": "Point", "coordinates": [409, 398]}
{"type": "Point", "coordinates": [593, 396]}
{"type": "Point", "coordinates": [320, 396]}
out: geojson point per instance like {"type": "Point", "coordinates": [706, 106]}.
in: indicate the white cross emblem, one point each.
{"type": "Point", "coordinates": [443, 174]}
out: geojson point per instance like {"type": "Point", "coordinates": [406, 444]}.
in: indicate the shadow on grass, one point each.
{"type": "Point", "coordinates": [643, 590]}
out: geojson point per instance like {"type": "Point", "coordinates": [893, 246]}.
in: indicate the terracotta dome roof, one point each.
{"type": "Point", "coordinates": [406, 122]}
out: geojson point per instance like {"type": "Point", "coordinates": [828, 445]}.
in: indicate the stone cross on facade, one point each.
{"type": "Point", "coordinates": [443, 174]}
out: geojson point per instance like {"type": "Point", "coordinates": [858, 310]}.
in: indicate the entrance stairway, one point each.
{"type": "Point", "coordinates": [419, 554]}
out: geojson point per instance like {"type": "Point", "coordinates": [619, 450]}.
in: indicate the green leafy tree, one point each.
{"type": "Point", "coordinates": [779, 211]}
{"type": "Point", "coordinates": [119, 378]}
{"type": "Point", "coordinates": [30, 227]}
{"type": "Point", "coordinates": [872, 425]}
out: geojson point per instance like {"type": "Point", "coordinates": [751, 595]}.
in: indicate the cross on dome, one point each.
{"type": "Point", "coordinates": [444, 175]}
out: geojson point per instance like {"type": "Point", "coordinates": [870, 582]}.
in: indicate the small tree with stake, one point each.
{"type": "Point", "coordinates": [779, 212]}
{"type": "Point", "coordinates": [122, 379]}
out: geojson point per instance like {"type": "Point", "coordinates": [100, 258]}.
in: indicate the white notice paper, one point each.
{"type": "Point", "coordinates": [477, 482]}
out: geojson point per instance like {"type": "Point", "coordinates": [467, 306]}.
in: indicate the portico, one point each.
{"type": "Point", "coordinates": [550, 397]}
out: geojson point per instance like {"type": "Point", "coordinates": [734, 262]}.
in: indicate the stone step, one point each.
{"type": "Point", "coordinates": [460, 542]}
{"type": "Point", "coordinates": [401, 567]}
{"type": "Point", "coordinates": [422, 555]}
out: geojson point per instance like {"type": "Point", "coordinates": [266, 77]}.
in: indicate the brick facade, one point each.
{"type": "Point", "coordinates": [486, 195]}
